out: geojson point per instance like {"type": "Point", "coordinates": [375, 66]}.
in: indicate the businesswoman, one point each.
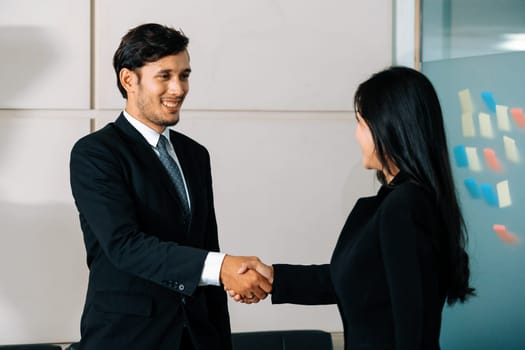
{"type": "Point", "coordinates": [401, 253]}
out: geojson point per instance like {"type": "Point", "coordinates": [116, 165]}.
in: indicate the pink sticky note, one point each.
{"type": "Point", "coordinates": [492, 159]}
{"type": "Point", "coordinates": [518, 116]}
{"type": "Point", "coordinates": [504, 235]}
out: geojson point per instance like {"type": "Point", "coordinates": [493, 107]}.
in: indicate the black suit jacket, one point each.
{"type": "Point", "coordinates": [387, 272]}
{"type": "Point", "coordinates": [145, 261]}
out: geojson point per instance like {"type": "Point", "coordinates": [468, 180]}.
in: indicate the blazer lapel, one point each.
{"type": "Point", "coordinates": [187, 165]}
{"type": "Point", "coordinates": [143, 150]}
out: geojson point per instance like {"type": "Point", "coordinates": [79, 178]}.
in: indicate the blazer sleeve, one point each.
{"type": "Point", "coordinates": [402, 227]}
{"type": "Point", "coordinates": [303, 284]}
{"type": "Point", "coordinates": [107, 212]}
{"type": "Point", "coordinates": [215, 297]}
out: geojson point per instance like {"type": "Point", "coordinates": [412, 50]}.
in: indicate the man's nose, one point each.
{"type": "Point", "coordinates": [177, 87]}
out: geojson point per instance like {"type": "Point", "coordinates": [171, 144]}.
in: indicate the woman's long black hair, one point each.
{"type": "Point", "coordinates": [402, 110]}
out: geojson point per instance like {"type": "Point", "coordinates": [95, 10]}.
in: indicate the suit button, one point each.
{"type": "Point", "coordinates": [181, 287]}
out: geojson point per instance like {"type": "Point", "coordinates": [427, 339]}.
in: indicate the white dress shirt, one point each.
{"type": "Point", "coordinates": [212, 265]}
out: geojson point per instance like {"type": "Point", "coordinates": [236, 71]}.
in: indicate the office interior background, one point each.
{"type": "Point", "coordinates": [272, 99]}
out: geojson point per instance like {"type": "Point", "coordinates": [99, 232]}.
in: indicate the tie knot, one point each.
{"type": "Point", "coordinates": [163, 142]}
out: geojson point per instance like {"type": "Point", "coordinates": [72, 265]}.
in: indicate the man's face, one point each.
{"type": "Point", "coordinates": [157, 89]}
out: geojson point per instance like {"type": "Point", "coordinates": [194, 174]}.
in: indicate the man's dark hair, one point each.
{"type": "Point", "coordinates": [146, 43]}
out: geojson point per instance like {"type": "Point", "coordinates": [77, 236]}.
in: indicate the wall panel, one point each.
{"type": "Point", "coordinates": [45, 48]}
{"type": "Point", "coordinates": [263, 55]}
{"type": "Point", "coordinates": [42, 259]}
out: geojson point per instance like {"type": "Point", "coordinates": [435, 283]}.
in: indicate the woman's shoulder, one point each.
{"type": "Point", "coordinates": [409, 196]}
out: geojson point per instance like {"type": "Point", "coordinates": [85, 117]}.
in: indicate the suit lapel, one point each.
{"type": "Point", "coordinates": [187, 165]}
{"type": "Point", "coordinates": [144, 151]}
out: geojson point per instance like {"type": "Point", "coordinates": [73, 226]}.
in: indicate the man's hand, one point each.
{"type": "Point", "coordinates": [251, 266]}
{"type": "Point", "coordinates": [249, 285]}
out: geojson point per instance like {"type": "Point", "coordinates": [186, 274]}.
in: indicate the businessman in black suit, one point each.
{"type": "Point", "coordinates": [145, 201]}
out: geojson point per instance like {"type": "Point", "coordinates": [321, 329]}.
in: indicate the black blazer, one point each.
{"type": "Point", "coordinates": [144, 260]}
{"type": "Point", "coordinates": [386, 273]}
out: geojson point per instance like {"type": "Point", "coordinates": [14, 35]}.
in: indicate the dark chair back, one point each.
{"type": "Point", "coordinates": [283, 340]}
{"type": "Point", "coordinates": [30, 347]}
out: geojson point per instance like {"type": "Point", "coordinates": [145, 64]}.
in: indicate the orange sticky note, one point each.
{"type": "Point", "coordinates": [505, 235]}
{"type": "Point", "coordinates": [499, 228]}
{"type": "Point", "coordinates": [492, 159]}
{"type": "Point", "coordinates": [518, 116]}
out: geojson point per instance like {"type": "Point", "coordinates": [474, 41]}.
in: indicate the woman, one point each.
{"type": "Point", "coordinates": [401, 253]}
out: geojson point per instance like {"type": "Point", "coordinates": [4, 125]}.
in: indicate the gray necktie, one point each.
{"type": "Point", "coordinates": [173, 170]}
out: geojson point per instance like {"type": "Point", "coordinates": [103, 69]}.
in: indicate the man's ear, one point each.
{"type": "Point", "coordinates": [128, 79]}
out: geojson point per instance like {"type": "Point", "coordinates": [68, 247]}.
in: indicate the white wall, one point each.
{"type": "Point", "coordinates": [271, 98]}
{"type": "Point", "coordinates": [45, 60]}
{"type": "Point", "coordinates": [42, 261]}
{"type": "Point", "coordinates": [262, 55]}
{"type": "Point", "coordinates": [404, 32]}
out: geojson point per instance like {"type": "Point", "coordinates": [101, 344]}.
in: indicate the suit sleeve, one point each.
{"type": "Point", "coordinates": [402, 221]}
{"type": "Point", "coordinates": [303, 284]}
{"type": "Point", "coordinates": [107, 212]}
{"type": "Point", "coordinates": [215, 296]}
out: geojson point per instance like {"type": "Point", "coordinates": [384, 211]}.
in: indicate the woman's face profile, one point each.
{"type": "Point", "coordinates": [364, 137]}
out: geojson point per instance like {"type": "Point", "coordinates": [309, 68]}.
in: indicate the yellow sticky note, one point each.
{"type": "Point", "coordinates": [504, 199]}
{"type": "Point", "coordinates": [511, 151]}
{"type": "Point", "coordinates": [473, 159]}
{"type": "Point", "coordinates": [485, 126]}
{"type": "Point", "coordinates": [467, 122]}
{"type": "Point", "coordinates": [465, 99]}
{"type": "Point", "coordinates": [502, 117]}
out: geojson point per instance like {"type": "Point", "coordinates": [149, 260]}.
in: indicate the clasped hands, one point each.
{"type": "Point", "coordinates": [246, 278]}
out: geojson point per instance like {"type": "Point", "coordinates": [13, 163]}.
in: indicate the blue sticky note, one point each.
{"type": "Point", "coordinates": [461, 156]}
{"type": "Point", "coordinates": [489, 101]}
{"type": "Point", "coordinates": [472, 187]}
{"type": "Point", "coordinates": [489, 194]}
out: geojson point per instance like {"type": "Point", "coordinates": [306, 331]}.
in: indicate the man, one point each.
{"type": "Point", "coordinates": [144, 195]}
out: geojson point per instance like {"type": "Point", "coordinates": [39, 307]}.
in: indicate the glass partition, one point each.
{"type": "Point", "coordinates": [463, 28]}
{"type": "Point", "coordinates": [473, 51]}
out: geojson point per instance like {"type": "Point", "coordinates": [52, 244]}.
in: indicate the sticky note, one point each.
{"type": "Point", "coordinates": [505, 235]}
{"type": "Point", "coordinates": [511, 151]}
{"type": "Point", "coordinates": [461, 156]}
{"type": "Point", "coordinates": [489, 101]}
{"type": "Point", "coordinates": [467, 123]}
{"type": "Point", "coordinates": [473, 160]}
{"type": "Point", "coordinates": [518, 116]}
{"type": "Point", "coordinates": [485, 126]}
{"type": "Point", "coordinates": [465, 100]}
{"type": "Point", "coordinates": [492, 159]}
{"type": "Point", "coordinates": [488, 193]}
{"type": "Point", "coordinates": [472, 187]}
{"type": "Point", "coordinates": [504, 199]}
{"type": "Point", "coordinates": [502, 117]}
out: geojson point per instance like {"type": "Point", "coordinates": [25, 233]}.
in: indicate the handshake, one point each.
{"type": "Point", "coordinates": [246, 278]}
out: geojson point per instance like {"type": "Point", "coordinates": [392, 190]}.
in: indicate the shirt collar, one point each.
{"type": "Point", "coordinates": [148, 133]}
